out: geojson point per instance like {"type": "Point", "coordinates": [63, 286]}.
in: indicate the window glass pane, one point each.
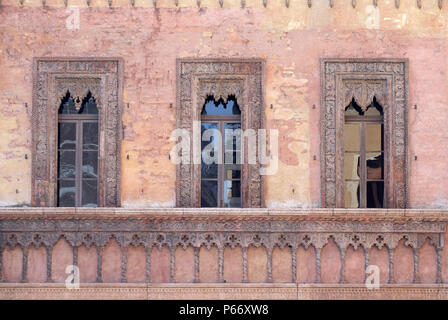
{"type": "Point", "coordinates": [232, 194]}
{"type": "Point", "coordinates": [90, 136]}
{"type": "Point", "coordinates": [89, 193]}
{"type": "Point", "coordinates": [88, 105]}
{"type": "Point", "coordinates": [232, 136]}
{"type": "Point", "coordinates": [375, 192]}
{"type": "Point", "coordinates": [67, 105]}
{"type": "Point", "coordinates": [352, 168]}
{"type": "Point", "coordinates": [210, 151]}
{"type": "Point", "coordinates": [351, 194]}
{"type": "Point", "coordinates": [373, 137]}
{"type": "Point", "coordinates": [220, 107]}
{"type": "Point", "coordinates": [352, 137]}
{"type": "Point", "coordinates": [232, 171]}
{"type": "Point", "coordinates": [90, 164]}
{"type": "Point", "coordinates": [375, 164]}
{"type": "Point", "coordinates": [209, 193]}
{"type": "Point", "coordinates": [66, 193]}
{"type": "Point", "coordinates": [66, 164]}
{"type": "Point", "coordinates": [67, 135]}
{"type": "Point", "coordinates": [232, 157]}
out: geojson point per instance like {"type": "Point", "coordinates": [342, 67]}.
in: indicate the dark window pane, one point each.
{"type": "Point", "coordinates": [221, 107]}
{"type": "Point", "coordinates": [232, 171]}
{"type": "Point", "coordinates": [232, 194]}
{"type": "Point", "coordinates": [66, 164]}
{"type": "Point", "coordinates": [66, 193]}
{"type": "Point", "coordinates": [232, 157]}
{"type": "Point", "coordinates": [375, 192]}
{"type": "Point", "coordinates": [90, 164]}
{"type": "Point", "coordinates": [67, 135]}
{"type": "Point", "coordinates": [232, 136]}
{"type": "Point", "coordinates": [375, 165]}
{"type": "Point", "coordinates": [67, 105]}
{"type": "Point", "coordinates": [89, 193]}
{"type": "Point", "coordinates": [209, 193]}
{"type": "Point", "coordinates": [88, 105]}
{"type": "Point", "coordinates": [90, 136]}
{"type": "Point", "coordinates": [353, 109]}
{"type": "Point", "coordinates": [209, 156]}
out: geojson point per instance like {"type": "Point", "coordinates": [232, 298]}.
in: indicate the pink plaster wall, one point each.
{"type": "Point", "coordinates": [291, 41]}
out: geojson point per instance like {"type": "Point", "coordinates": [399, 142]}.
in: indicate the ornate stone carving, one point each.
{"type": "Point", "coordinates": [178, 228]}
{"type": "Point", "coordinates": [52, 78]}
{"type": "Point", "coordinates": [78, 88]}
{"type": "Point", "coordinates": [343, 79]}
{"type": "Point", "coordinates": [198, 78]}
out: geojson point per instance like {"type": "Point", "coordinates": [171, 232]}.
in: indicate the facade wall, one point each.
{"type": "Point", "coordinates": [291, 40]}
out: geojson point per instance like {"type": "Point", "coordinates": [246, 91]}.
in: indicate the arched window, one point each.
{"type": "Point", "coordinates": [221, 153]}
{"type": "Point", "coordinates": [78, 152]}
{"type": "Point", "coordinates": [364, 156]}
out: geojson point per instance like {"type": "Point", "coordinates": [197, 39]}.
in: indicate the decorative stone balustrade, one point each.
{"type": "Point", "coordinates": [296, 246]}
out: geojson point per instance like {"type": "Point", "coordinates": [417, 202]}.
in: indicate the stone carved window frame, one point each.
{"type": "Point", "coordinates": [49, 75]}
{"type": "Point", "coordinates": [197, 78]}
{"type": "Point", "coordinates": [394, 74]}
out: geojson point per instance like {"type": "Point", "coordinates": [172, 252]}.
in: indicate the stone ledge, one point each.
{"type": "Point", "coordinates": [218, 291]}
{"type": "Point", "coordinates": [241, 213]}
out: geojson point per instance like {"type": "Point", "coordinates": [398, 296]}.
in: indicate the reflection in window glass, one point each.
{"type": "Point", "coordinates": [363, 156]}
{"type": "Point", "coordinates": [78, 152]}
{"type": "Point", "coordinates": [221, 153]}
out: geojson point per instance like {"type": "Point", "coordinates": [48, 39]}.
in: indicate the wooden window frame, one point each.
{"type": "Point", "coordinates": [363, 179]}
{"type": "Point", "coordinates": [221, 120]}
{"type": "Point", "coordinates": [52, 78]}
{"type": "Point", "coordinates": [78, 120]}
{"type": "Point", "coordinates": [388, 81]}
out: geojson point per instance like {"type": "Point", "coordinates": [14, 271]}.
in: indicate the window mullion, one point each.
{"type": "Point", "coordinates": [78, 167]}
{"type": "Point", "coordinates": [363, 184]}
{"type": "Point", "coordinates": [220, 165]}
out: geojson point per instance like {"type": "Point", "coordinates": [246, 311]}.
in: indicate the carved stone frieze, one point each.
{"type": "Point", "coordinates": [221, 231]}
{"type": "Point", "coordinates": [52, 78]}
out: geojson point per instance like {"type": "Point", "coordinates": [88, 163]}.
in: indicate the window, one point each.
{"type": "Point", "coordinates": [364, 161]}
{"type": "Point", "coordinates": [78, 152]}
{"type": "Point", "coordinates": [76, 132]}
{"type": "Point", "coordinates": [221, 153]}
{"type": "Point", "coordinates": [237, 84]}
{"type": "Point", "coordinates": [364, 156]}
